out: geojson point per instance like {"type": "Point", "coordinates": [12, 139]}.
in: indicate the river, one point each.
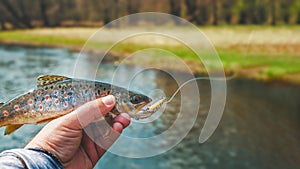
{"type": "Point", "coordinates": [259, 128]}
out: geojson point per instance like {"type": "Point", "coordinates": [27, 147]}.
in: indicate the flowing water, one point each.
{"type": "Point", "coordinates": [259, 128]}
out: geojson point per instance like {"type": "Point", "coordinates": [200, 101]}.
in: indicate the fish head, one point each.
{"type": "Point", "coordinates": [138, 101]}
{"type": "Point", "coordinates": [150, 109]}
{"type": "Point", "coordinates": [132, 103]}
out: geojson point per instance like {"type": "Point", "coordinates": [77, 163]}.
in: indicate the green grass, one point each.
{"type": "Point", "coordinates": [273, 66]}
{"type": "Point", "coordinates": [19, 36]}
{"type": "Point", "coordinates": [274, 60]}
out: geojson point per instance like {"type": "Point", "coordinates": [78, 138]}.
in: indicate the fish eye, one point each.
{"type": "Point", "coordinates": [136, 99]}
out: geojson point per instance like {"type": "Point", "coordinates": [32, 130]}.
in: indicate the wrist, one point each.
{"type": "Point", "coordinates": [49, 154]}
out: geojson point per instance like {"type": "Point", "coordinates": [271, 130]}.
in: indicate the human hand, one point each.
{"type": "Point", "coordinates": [65, 137]}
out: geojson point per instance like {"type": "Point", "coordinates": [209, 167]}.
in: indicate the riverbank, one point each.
{"type": "Point", "coordinates": [270, 54]}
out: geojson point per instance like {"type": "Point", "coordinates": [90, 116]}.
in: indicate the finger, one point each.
{"type": "Point", "coordinates": [123, 119]}
{"type": "Point", "coordinates": [102, 134]}
{"type": "Point", "coordinates": [88, 112]}
{"type": "Point", "coordinates": [118, 127]}
{"type": "Point", "coordinates": [92, 150]}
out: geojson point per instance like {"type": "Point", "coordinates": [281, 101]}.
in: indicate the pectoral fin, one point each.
{"type": "Point", "coordinates": [11, 128]}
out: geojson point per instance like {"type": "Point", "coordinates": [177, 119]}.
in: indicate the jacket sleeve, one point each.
{"type": "Point", "coordinates": [28, 159]}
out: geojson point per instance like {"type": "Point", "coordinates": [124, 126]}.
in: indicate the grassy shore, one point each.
{"type": "Point", "coordinates": [258, 52]}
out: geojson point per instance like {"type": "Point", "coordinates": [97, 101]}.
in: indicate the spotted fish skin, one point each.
{"type": "Point", "coordinates": [56, 96]}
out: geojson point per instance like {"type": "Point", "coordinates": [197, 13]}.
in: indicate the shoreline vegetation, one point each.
{"type": "Point", "coordinates": [265, 53]}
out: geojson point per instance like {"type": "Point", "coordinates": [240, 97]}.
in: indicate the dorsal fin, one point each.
{"type": "Point", "coordinates": [45, 80]}
{"type": "Point", "coordinates": [1, 104]}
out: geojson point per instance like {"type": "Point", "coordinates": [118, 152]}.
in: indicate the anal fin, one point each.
{"type": "Point", "coordinates": [11, 128]}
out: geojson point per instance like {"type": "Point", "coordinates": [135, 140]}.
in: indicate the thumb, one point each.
{"type": "Point", "coordinates": [88, 112]}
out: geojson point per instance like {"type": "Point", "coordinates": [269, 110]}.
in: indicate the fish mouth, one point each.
{"type": "Point", "coordinates": [141, 105]}
{"type": "Point", "coordinates": [149, 110]}
{"type": "Point", "coordinates": [131, 109]}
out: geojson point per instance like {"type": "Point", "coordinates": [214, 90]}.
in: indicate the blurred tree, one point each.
{"type": "Point", "coordinates": [204, 12]}
{"type": "Point", "coordinates": [261, 12]}
{"type": "Point", "coordinates": [81, 9]}
{"type": "Point", "coordinates": [43, 9]}
{"type": "Point", "coordinates": [2, 22]}
{"type": "Point", "coordinates": [276, 11]}
{"type": "Point", "coordinates": [294, 12]}
{"type": "Point", "coordinates": [274, 8]}
{"type": "Point", "coordinates": [24, 16]}
{"type": "Point", "coordinates": [133, 6]}
{"type": "Point", "coordinates": [175, 9]}
{"type": "Point", "coordinates": [289, 11]}
{"type": "Point", "coordinates": [32, 13]}
{"type": "Point", "coordinates": [18, 14]}
{"type": "Point", "coordinates": [215, 7]}
{"type": "Point", "coordinates": [236, 7]}
{"type": "Point", "coordinates": [191, 11]}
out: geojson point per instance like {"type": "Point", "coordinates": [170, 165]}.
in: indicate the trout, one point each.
{"type": "Point", "coordinates": [56, 96]}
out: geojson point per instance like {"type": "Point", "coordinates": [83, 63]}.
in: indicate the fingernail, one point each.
{"type": "Point", "coordinates": [108, 100]}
